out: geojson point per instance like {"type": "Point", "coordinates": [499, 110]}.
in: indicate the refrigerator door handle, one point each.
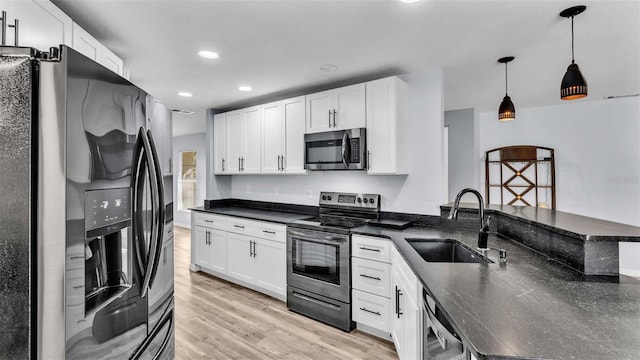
{"type": "Point", "coordinates": [153, 182]}
{"type": "Point", "coordinates": [160, 209]}
{"type": "Point", "coordinates": [137, 182]}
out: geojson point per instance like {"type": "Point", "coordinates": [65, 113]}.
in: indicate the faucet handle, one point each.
{"type": "Point", "coordinates": [502, 253]}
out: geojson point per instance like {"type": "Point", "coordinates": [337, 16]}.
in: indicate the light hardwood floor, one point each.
{"type": "Point", "coordinates": [216, 319]}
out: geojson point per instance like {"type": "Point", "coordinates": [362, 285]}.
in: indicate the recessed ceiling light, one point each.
{"type": "Point", "coordinates": [328, 67]}
{"type": "Point", "coordinates": [208, 54]}
{"type": "Point", "coordinates": [245, 88]}
{"type": "Point", "coordinates": [185, 94]}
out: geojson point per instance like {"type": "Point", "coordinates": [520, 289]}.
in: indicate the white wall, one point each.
{"type": "Point", "coordinates": [420, 192]}
{"type": "Point", "coordinates": [189, 143]}
{"type": "Point", "coordinates": [597, 149]}
{"type": "Point", "coordinates": [461, 150]}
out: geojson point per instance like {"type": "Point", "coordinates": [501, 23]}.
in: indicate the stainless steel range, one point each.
{"type": "Point", "coordinates": [319, 257]}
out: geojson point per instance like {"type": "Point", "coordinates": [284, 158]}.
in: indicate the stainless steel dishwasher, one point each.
{"type": "Point", "coordinates": [440, 340]}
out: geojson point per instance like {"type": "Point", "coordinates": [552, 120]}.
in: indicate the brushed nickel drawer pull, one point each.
{"type": "Point", "coordinates": [370, 277]}
{"type": "Point", "coordinates": [369, 311]}
{"type": "Point", "coordinates": [369, 249]}
{"type": "Point", "coordinates": [269, 232]}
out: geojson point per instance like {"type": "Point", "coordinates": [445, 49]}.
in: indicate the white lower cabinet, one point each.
{"type": "Point", "coordinates": [371, 310]}
{"type": "Point", "coordinates": [406, 329]}
{"type": "Point", "coordinates": [371, 283]}
{"type": "Point", "coordinates": [239, 253]}
{"type": "Point", "coordinates": [270, 265]}
{"type": "Point", "coordinates": [249, 252]}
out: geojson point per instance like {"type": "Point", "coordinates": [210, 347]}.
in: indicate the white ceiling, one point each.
{"type": "Point", "coordinates": [277, 47]}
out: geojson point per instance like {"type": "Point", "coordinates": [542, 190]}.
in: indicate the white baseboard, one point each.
{"type": "Point", "coordinates": [630, 272]}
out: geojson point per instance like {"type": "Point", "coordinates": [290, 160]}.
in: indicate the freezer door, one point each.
{"type": "Point", "coordinates": [17, 227]}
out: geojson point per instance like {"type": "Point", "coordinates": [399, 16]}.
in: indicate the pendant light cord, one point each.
{"type": "Point", "coordinates": [505, 79]}
{"type": "Point", "coordinates": [572, 56]}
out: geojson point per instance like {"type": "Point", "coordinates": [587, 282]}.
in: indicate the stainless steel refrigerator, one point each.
{"type": "Point", "coordinates": [86, 212]}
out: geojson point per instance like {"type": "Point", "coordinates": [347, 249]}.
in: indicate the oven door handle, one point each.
{"type": "Point", "coordinates": [320, 237]}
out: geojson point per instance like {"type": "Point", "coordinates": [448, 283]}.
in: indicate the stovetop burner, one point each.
{"type": "Point", "coordinates": [340, 212]}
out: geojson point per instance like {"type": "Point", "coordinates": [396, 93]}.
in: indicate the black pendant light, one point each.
{"type": "Point", "coordinates": [573, 86]}
{"type": "Point", "coordinates": [506, 111]}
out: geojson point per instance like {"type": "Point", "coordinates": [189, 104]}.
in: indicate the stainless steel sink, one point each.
{"type": "Point", "coordinates": [446, 250]}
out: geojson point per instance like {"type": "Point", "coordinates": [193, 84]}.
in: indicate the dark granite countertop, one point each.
{"type": "Point", "coordinates": [254, 214]}
{"type": "Point", "coordinates": [532, 307]}
{"type": "Point", "coordinates": [587, 228]}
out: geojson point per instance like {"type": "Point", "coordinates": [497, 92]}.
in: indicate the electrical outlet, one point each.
{"type": "Point", "coordinates": [248, 189]}
{"type": "Point", "coordinates": [309, 194]}
{"type": "Point", "coordinates": [276, 191]}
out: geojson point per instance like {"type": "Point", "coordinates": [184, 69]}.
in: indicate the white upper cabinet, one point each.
{"type": "Point", "coordinates": [243, 141]}
{"type": "Point", "coordinates": [220, 144]}
{"type": "Point", "coordinates": [234, 141]}
{"type": "Point", "coordinates": [273, 134]}
{"type": "Point", "coordinates": [40, 24]}
{"type": "Point", "coordinates": [388, 138]}
{"type": "Point", "coordinates": [252, 145]}
{"type": "Point", "coordinates": [294, 124]}
{"type": "Point", "coordinates": [336, 109]}
{"type": "Point", "coordinates": [111, 61]}
{"type": "Point", "coordinates": [87, 45]}
{"type": "Point", "coordinates": [283, 136]}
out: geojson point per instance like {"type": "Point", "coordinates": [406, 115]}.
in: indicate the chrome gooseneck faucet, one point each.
{"type": "Point", "coordinates": [483, 233]}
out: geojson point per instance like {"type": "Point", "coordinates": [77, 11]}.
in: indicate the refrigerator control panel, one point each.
{"type": "Point", "coordinates": [106, 207]}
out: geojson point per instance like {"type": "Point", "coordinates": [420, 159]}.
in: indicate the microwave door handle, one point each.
{"type": "Point", "coordinates": [153, 181]}
{"type": "Point", "coordinates": [137, 187]}
{"type": "Point", "coordinates": [160, 209]}
{"type": "Point", "coordinates": [346, 149]}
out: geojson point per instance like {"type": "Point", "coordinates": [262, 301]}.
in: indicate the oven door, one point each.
{"type": "Point", "coordinates": [319, 262]}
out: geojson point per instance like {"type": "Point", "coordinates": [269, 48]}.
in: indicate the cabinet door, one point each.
{"type": "Point", "coordinates": [252, 141]}
{"type": "Point", "coordinates": [349, 106]}
{"type": "Point", "coordinates": [220, 144]}
{"type": "Point", "coordinates": [398, 318]}
{"type": "Point", "coordinates": [239, 257]}
{"type": "Point", "coordinates": [202, 254]}
{"type": "Point", "coordinates": [270, 266]}
{"type": "Point", "coordinates": [41, 24]}
{"type": "Point", "coordinates": [111, 61]}
{"type": "Point", "coordinates": [294, 125]}
{"type": "Point", "coordinates": [381, 126]}
{"type": "Point", "coordinates": [86, 44]}
{"type": "Point", "coordinates": [235, 140]}
{"type": "Point", "coordinates": [218, 239]}
{"type": "Point", "coordinates": [387, 127]}
{"type": "Point", "coordinates": [319, 112]}
{"type": "Point", "coordinates": [272, 137]}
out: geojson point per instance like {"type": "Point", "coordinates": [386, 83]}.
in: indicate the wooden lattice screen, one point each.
{"type": "Point", "coordinates": [521, 175]}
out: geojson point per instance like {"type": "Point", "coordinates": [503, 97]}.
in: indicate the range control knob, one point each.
{"type": "Point", "coordinates": [359, 200]}
{"type": "Point", "coordinates": [366, 200]}
{"type": "Point", "coordinates": [371, 200]}
{"type": "Point", "coordinates": [329, 197]}
{"type": "Point", "coordinates": [324, 197]}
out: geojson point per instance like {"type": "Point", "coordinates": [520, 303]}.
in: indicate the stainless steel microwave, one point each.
{"type": "Point", "coordinates": [336, 150]}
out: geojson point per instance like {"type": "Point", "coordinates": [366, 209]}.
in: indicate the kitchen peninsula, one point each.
{"type": "Point", "coordinates": [534, 306]}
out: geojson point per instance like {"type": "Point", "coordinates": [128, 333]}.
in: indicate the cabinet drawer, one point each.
{"type": "Point", "coordinates": [371, 310]}
{"type": "Point", "coordinates": [371, 276]}
{"type": "Point", "coordinates": [270, 231]}
{"type": "Point", "coordinates": [241, 226]}
{"type": "Point", "coordinates": [210, 220]}
{"type": "Point", "coordinates": [372, 248]}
